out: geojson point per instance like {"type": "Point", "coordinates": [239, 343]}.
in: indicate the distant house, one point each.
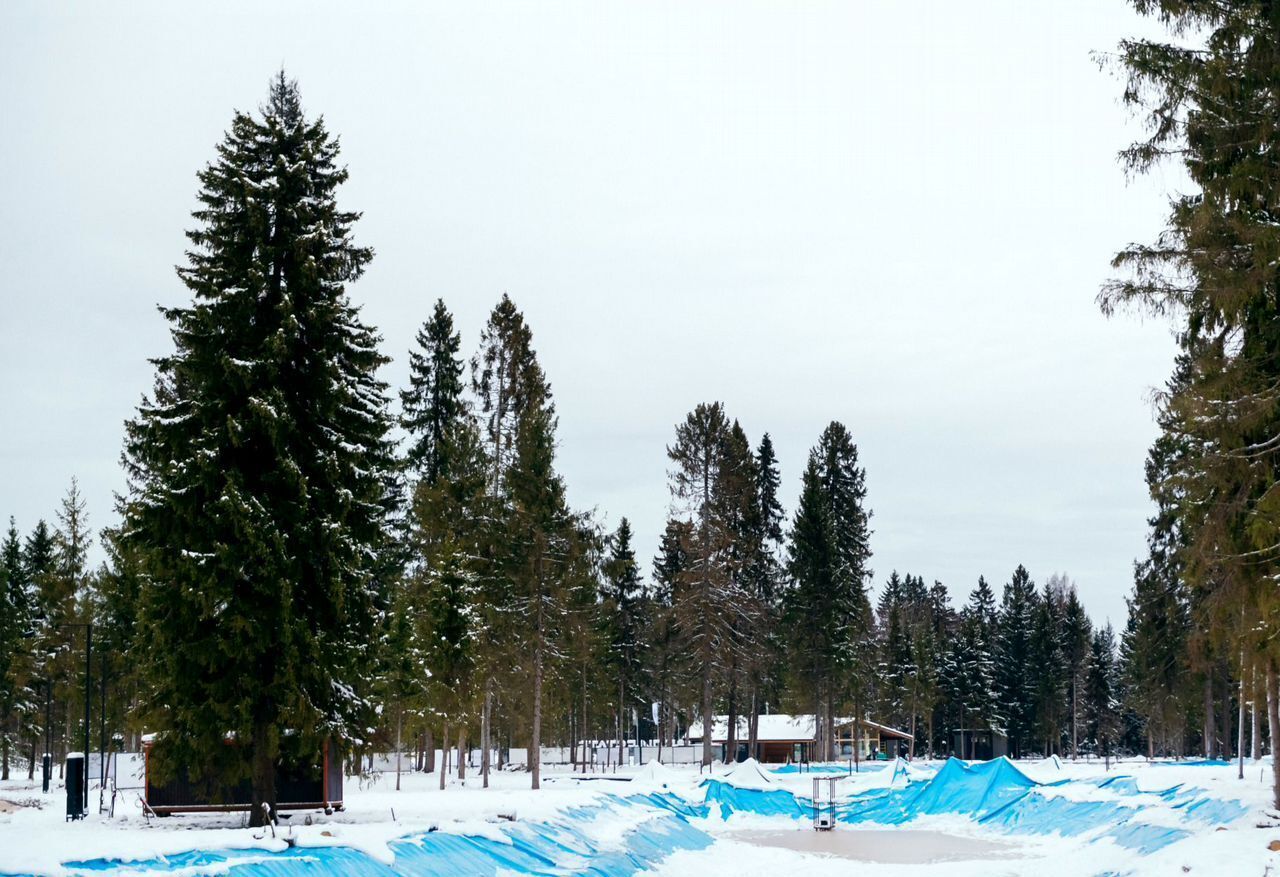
{"type": "Point", "coordinates": [979, 744]}
{"type": "Point", "coordinates": [785, 738]}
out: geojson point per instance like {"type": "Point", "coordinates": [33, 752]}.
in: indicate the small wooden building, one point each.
{"type": "Point", "coordinates": [874, 739]}
{"type": "Point", "coordinates": [785, 738]}
{"type": "Point", "coordinates": [301, 784]}
{"type": "Point", "coordinates": [979, 744]}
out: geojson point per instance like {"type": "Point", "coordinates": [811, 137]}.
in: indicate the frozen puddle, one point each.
{"type": "Point", "coordinates": [896, 847]}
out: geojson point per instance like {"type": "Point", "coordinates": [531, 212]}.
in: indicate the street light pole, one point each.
{"type": "Point", "coordinates": [88, 681]}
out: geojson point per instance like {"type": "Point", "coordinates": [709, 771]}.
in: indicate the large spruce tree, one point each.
{"type": "Point", "coordinates": [258, 466]}
{"type": "Point", "coordinates": [828, 611]}
{"type": "Point", "coordinates": [1208, 92]}
{"type": "Point", "coordinates": [17, 659]}
{"type": "Point", "coordinates": [1015, 673]}
{"type": "Point", "coordinates": [432, 406]}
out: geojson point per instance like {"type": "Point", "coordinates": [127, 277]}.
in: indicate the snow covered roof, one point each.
{"type": "Point", "coordinates": [884, 730]}
{"type": "Point", "coordinates": [773, 728]}
{"type": "Point", "coordinates": [782, 728]}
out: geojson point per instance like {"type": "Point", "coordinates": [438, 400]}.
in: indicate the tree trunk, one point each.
{"type": "Point", "coordinates": [535, 748]}
{"type": "Point", "coordinates": [753, 724]}
{"type": "Point", "coordinates": [1271, 711]}
{"type": "Point", "coordinates": [622, 718]}
{"type": "Point", "coordinates": [1255, 717]}
{"type": "Point", "coordinates": [4, 754]}
{"type": "Point", "coordinates": [731, 729]}
{"type": "Point", "coordinates": [1075, 711]}
{"type": "Point", "coordinates": [1225, 749]}
{"type": "Point", "coordinates": [1208, 716]}
{"type": "Point", "coordinates": [429, 743]}
{"type": "Point", "coordinates": [263, 806]}
{"type": "Point", "coordinates": [399, 743]}
{"type": "Point", "coordinates": [486, 742]}
{"type": "Point", "coordinates": [1273, 719]}
{"type": "Point", "coordinates": [708, 720]}
{"type": "Point", "coordinates": [444, 754]}
{"type": "Point", "coordinates": [462, 752]}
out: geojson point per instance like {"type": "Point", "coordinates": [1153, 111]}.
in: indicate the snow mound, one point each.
{"type": "Point", "coordinates": [749, 775]}
{"type": "Point", "coordinates": [656, 775]}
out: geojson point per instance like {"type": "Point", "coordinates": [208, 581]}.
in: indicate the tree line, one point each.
{"type": "Point", "coordinates": [294, 562]}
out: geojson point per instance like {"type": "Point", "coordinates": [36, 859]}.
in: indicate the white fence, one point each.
{"type": "Point", "coordinates": [599, 757]}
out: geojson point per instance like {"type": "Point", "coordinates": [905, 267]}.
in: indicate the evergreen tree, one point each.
{"type": "Point", "coordinates": [17, 666]}
{"type": "Point", "coordinates": [971, 668]}
{"type": "Point", "coordinates": [765, 583]}
{"type": "Point", "coordinates": [1101, 689]}
{"type": "Point", "coordinates": [703, 594]}
{"type": "Point", "coordinates": [895, 651]}
{"type": "Point", "coordinates": [51, 611]}
{"type": "Point", "coordinates": [738, 498]}
{"type": "Point", "coordinates": [828, 611]}
{"type": "Point", "coordinates": [1077, 637]}
{"type": "Point", "coordinates": [668, 663]}
{"type": "Point", "coordinates": [623, 610]}
{"type": "Point", "coordinates": [508, 382]}
{"type": "Point", "coordinates": [116, 590]}
{"type": "Point", "coordinates": [1208, 94]}
{"type": "Point", "coordinates": [432, 406]}
{"type": "Point", "coordinates": [260, 466]}
{"type": "Point", "coordinates": [544, 543]}
{"type": "Point", "coordinates": [1155, 645]}
{"type": "Point", "coordinates": [1014, 657]}
{"type": "Point", "coordinates": [1046, 670]}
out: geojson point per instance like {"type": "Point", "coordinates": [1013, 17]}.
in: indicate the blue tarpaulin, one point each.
{"type": "Point", "coordinates": [994, 793]}
{"type": "Point", "coordinates": [563, 846]}
{"type": "Point", "coordinates": [998, 794]}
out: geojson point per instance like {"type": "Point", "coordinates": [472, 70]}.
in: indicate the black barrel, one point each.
{"type": "Point", "coordinates": [75, 785]}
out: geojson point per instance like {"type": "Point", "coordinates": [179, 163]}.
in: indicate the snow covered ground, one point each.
{"type": "Point", "coordinates": [1042, 819]}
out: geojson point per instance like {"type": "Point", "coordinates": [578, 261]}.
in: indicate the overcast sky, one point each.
{"type": "Point", "coordinates": [892, 215]}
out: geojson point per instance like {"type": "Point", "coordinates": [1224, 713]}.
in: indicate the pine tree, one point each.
{"type": "Point", "coordinates": [895, 651]}
{"type": "Point", "coordinates": [1208, 95]}
{"type": "Point", "coordinates": [544, 542]}
{"type": "Point", "coordinates": [508, 382]}
{"type": "Point", "coordinates": [971, 675]}
{"type": "Point", "coordinates": [623, 609]}
{"type": "Point", "coordinates": [260, 466]}
{"type": "Point", "coordinates": [1014, 657]}
{"type": "Point", "coordinates": [738, 498]}
{"type": "Point", "coordinates": [17, 660]}
{"type": "Point", "coordinates": [702, 624]}
{"type": "Point", "coordinates": [51, 611]}
{"type": "Point", "coordinates": [116, 591]}
{"type": "Point", "coordinates": [1155, 645]}
{"type": "Point", "coordinates": [1046, 670]}
{"type": "Point", "coordinates": [1077, 637]}
{"type": "Point", "coordinates": [1101, 689]}
{"type": "Point", "coordinates": [828, 611]}
{"type": "Point", "coordinates": [765, 583]}
{"type": "Point", "coordinates": [432, 406]}
{"type": "Point", "coordinates": [668, 663]}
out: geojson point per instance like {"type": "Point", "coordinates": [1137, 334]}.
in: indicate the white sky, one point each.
{"type": "Point", "coordinates": [894, 215]}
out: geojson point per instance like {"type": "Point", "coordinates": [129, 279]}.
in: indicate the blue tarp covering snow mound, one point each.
{"type": "Point", "coordinates": [998, 794]}
{"type": "Point", "coordinates": [563, 846]}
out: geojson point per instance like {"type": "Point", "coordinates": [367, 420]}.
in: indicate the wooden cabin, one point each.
{"type": "Point", "coordinates": [302, 783]}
